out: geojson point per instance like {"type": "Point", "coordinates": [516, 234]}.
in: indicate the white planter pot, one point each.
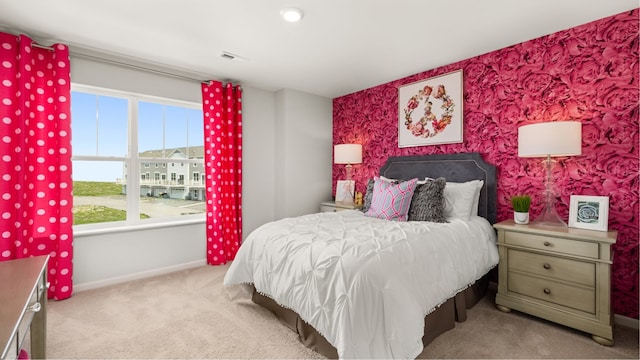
{"type": "Point", "coordinates": [521, 217]}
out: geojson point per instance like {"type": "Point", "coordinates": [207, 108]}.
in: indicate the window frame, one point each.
{"type": "Point", "coordinates": [133, 173]}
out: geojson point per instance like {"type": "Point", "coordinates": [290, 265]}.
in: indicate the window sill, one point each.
{"type": "Point", "coordinates": [88, 230]}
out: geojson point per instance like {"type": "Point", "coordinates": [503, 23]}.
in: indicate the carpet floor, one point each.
{"type": "Point", "coordinates": [188, 315]}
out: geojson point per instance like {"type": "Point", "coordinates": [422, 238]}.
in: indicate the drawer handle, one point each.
{"type": "Point", "coordinates": [546, 266]}
{"type": "Point", "coordinates": [546, 243]}
{"type": "Point", "coordinates": [547, 291]}
{"type": "Point", "coordinates": [35, 307]}
{"type": "Point", "coordinates": [42, 287]}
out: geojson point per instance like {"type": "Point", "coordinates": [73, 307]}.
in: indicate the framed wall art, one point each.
{"type": "Point", "coordinates": [430, 111]}
{"type": "Point", "coordinates": [589, 212]}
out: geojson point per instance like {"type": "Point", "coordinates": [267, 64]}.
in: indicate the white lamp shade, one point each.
{"type": "Point", "coordinates": [347, 154]}
{"type": "Point", "coordinates": [557, 138]}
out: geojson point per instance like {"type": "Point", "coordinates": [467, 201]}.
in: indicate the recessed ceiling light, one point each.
{"type": "Point", "coordinates": [291, 14]}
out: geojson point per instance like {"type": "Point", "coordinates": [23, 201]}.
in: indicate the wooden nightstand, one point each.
{"type": "Point", "coordinates": [332, 206]}
{"type": "Point", "coordinates": [559, 274]}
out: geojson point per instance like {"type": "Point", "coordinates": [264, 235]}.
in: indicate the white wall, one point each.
{"type": "Point", "coordinates": [286, 172]}
{"type": "Point", "coordinates": [258, 158]}
{"type": "Point", "coordinates": [304, 152]}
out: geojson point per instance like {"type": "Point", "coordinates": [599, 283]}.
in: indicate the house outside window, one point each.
{"type": "Point", "coordinates": [115, 135]}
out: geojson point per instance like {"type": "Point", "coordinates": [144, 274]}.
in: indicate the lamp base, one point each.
{"type": "Point", "coordinates": [549, 217]}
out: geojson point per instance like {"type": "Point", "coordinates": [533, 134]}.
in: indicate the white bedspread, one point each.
{"type": "Point", "coordinates": [365, 284]}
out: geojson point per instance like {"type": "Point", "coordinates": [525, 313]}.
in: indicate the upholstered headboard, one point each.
{"type": "Point", "coordinates": [453, 167]}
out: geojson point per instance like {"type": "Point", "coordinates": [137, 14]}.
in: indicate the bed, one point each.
{"type": "Point", "coordinates": [358, 286]}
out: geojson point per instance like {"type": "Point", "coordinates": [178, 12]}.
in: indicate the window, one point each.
{"type": "Point", "coordinates": [115, 136]}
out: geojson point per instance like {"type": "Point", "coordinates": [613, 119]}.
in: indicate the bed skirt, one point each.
{"type": "Point", "coordinates": [436, 323]}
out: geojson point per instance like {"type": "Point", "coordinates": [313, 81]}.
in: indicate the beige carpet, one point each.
{"type": "Point", "coordinates": [188, 315]}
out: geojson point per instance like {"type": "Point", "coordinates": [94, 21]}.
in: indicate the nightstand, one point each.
{"type": "Point", "coordinates": [333, 206]}
{"type": "Point", "coordinates": [23, 295]}
{"type": "Point", "coordinates": [559, 274]}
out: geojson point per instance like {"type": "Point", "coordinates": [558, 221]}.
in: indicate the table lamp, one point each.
{"type": "Point", "coordinates": [348, 154]}
{"type": "Point", "coordinates": [550, 139]}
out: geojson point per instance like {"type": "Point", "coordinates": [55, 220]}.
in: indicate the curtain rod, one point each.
{"type": "Point", "coordinates": [125, 64]}
{"type": "Point", "coordinates": [42, 46]}
{"type": "Point", "coordinates": [137, 67]}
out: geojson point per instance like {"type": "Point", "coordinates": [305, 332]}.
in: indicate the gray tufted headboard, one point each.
{"type": "Point", "coordinates": [453, 167]}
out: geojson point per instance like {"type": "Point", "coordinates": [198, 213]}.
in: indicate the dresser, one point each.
{"type": "Point", "coordinates": [23, 295]}
{"type": "Point", "coordinates": [559, 274]}
{"type": "Point", "coordinates": [333, 206]}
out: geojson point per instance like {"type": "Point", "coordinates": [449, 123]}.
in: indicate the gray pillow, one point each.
{"type": "Point", "coordinates": [366, 204]}
{"type": "Point", "coordinates": [427, 203]}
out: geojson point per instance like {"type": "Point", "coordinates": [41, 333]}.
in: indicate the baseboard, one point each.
{"type": "Point", "coordinates": [625, 321]}
{"type": "Point", "coordinates": [137, 276]}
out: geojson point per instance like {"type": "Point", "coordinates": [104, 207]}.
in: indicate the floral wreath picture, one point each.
{"type": "Point", "coordinates": [430, 111]}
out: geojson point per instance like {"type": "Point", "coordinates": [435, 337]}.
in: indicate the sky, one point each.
{"type": "Point", "coordinates": [99, 128]}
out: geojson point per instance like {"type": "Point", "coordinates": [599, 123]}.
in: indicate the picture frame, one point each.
{"type": "Point", "coordinates": [430, 112]}
{"type": "Point", "coordinates": [345, 191]}
{"type": "Point", "coordinates": [589, 212]}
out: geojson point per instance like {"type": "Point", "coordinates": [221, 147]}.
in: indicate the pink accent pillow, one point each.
{"type": "Point", "coordinates": [391, 201]}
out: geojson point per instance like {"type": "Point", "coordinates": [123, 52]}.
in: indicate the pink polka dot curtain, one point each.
{"type": "Point", "coordinates": [35, 133]}
{"type": "Point", "coordinates": [222, 109]}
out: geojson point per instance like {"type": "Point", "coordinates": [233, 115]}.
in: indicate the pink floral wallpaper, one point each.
{"type": "Point", "coordinates": [587, 73]}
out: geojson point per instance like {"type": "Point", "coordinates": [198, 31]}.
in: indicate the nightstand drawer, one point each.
{"type": "Point", "coordinates": [325, 208]}
{"type": "Point", "coordinates": [580, 272]}
{"type": "Point", "coordinates": [332, 206]}
{"type": "Point", "coordinates": [574, 297]}
{"type": "Point", "coordinates": [548, 243]}
{"type": "Point", "coordinates": [33, 306]}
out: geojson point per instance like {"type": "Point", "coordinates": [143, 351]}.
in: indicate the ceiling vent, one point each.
{"type": "Point", "coordinates": [229, 56]}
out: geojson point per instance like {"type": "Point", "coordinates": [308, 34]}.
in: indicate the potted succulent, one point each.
{"type": "Point", "coordinates": [521, 204]}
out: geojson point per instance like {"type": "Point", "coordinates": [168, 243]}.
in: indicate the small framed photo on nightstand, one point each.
{"type": "Point", "coordinates": [345, 191]}
{"type": "Point", "coordinates": [589, 212]}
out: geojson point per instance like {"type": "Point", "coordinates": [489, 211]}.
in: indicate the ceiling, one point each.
{"type": "Point", "coordinates": [339, 47]}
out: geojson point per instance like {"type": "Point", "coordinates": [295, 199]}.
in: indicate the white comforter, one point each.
{"type": "Point", "coordinates": [365, 284]}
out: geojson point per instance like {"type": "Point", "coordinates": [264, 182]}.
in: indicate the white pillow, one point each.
{"type": "Point", "coordinates": [476, 200]}
{"type": "Point", "coordinates": [388, 180]}
{"type": "Point", "coordinates": [461, 199]}
{"type": "Point", "coordinates": [420, 182]}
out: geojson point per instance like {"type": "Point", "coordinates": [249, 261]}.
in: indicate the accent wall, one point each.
{"type": "Point", "coordinates": [588, 73]}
